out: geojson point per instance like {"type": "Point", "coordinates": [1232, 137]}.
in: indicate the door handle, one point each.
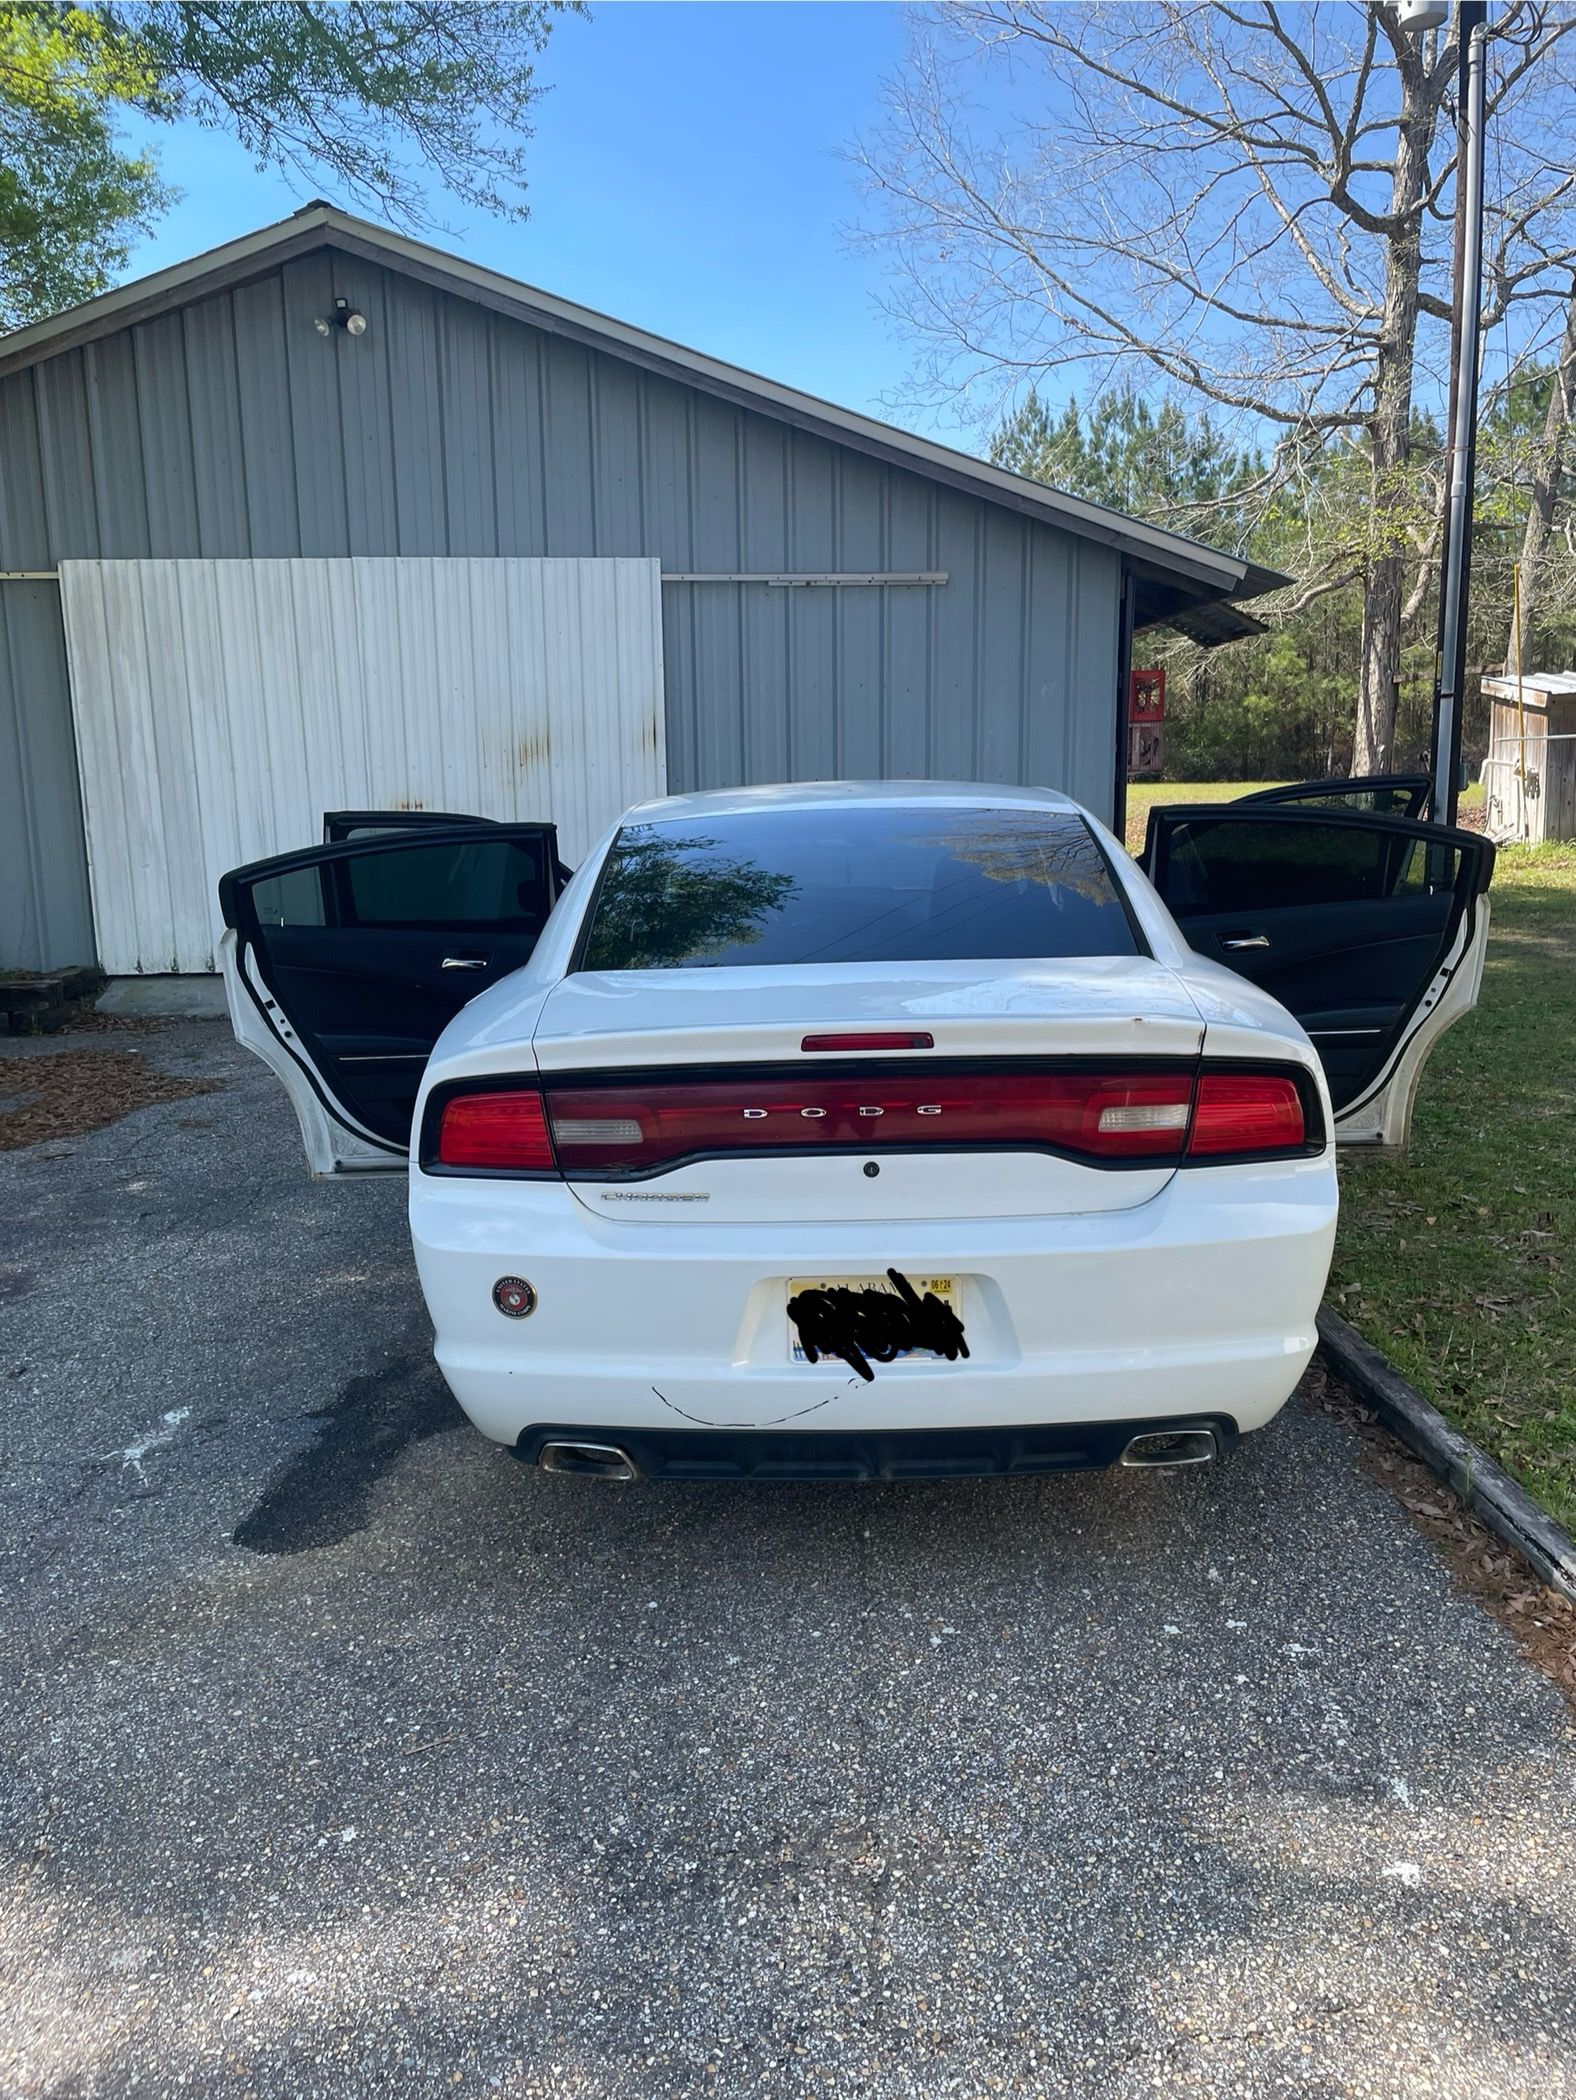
{"type": "Point", "coordinates": [1244, 940]}
{"type": "Point", "coordinates": [465, 962]}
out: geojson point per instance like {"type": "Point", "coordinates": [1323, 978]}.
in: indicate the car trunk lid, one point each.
{"type": "Point", "coordinates": [720, 1038]}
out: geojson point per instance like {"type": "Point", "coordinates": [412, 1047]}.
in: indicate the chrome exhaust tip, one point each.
{"type": "Point", "coordinates": [594, 1461]}
{"type": "Point", "coordinates": [1170, 1447]}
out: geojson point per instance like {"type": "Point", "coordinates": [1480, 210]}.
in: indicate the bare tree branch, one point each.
{"type": "Point", "coordinates": [1242, 203]}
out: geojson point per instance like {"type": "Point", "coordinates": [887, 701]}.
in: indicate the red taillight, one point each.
{"type": "Point", "coordinates": [1246, 1112]}
{"type": "Point", "coordinates": [912, 1039]}
{"type": "Point", "coordinates": [495, 1130]}
{"type": "Point", "coordinates": [1101, 1115]}
{"type": "Point", "coordinates": [1116, 1115]}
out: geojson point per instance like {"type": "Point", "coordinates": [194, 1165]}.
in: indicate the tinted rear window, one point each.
{"type": "Point", "coordinates": [834, 884]}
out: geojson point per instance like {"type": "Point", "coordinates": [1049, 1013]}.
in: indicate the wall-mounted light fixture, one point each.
{"type": "Point", "coordinates": [346, 316]}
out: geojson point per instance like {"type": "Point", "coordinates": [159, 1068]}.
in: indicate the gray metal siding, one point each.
{"type": "Point", "coordinates": [233, 429]}
{"type": "Point", "coordinates": [45, 916]}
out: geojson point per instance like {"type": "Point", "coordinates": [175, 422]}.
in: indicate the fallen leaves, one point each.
{"type": "Point", "coordinates": [67, 1093]}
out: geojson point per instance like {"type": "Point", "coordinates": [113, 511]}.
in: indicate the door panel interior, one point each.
{"type": "Point", "coordinates": [1344, 918]}
{"type": "Point", "coordinates": [372, 1001]}
{"type": "Point", "coordinates": [1349, 975]}
{"type": "Point", "coordinates": [371, 947]}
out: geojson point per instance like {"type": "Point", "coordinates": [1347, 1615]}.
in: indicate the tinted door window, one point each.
{"type": "Point", "coordinates": [1344, 919]}
{"type": "Point", "coordinates": [295, 899]}
{"type": "Point", "coordinates": [495, 881]}
{"type": "Point", "coordinates": [340, 825]}
{"type": "Point", "coordinates": [1391, 801]}
{"type": "Point", "coordinates": [834, 884]}
{"type": "Point", "coordinates": [1382, 795]}
{"type": "Point", "coordinates": [1247, 867]}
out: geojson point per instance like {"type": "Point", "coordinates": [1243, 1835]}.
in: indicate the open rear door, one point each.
{"type": "Point", "coordinates": [343, 964]}
{"type": "Point", "coordinates": [1366, 794]}
{"type": "Point", "coordinates": [340, 825]}
{"type": "Point", "coordinates": [1370, 929]}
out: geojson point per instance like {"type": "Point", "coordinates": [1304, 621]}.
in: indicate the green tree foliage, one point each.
{"type": "Point", "coordinates": [71, 201]}
{"type": "Point", "coordinates": [1283, 706]}
{"type": "Point", "coordinates": [1255, 710]}
{"type": "Point", "coordinates": [1170, 464]}
{"type": "Point", "coordinates": [370, 98]}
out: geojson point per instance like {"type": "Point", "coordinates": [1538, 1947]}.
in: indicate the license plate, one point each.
{"type": "Point", "coordinates": [943, 1287]}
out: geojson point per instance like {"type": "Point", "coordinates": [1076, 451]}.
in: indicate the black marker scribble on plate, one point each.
{"type": "Point", "coordinates": [871, 1325]}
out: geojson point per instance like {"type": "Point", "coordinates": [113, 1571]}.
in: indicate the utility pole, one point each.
{"type": "Point", "coordinates": [1450, 663]}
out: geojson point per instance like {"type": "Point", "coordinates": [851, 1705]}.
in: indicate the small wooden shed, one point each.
{"type": "Point", "coordinates": [1529, 776]}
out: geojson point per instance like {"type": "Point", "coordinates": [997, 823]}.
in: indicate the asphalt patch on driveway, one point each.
{"type": "Point", "coordinates": [1542, 1622]}
{"type": "Point", "coordinates": [324, 1495]}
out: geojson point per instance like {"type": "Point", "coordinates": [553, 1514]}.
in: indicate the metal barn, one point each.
{"type": "Point", "coordinates": [328, 518]}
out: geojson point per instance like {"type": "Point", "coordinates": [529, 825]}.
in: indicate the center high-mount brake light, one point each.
{"type": "Point", "coordinates": [891, 1039]}
{"type": "Point", "coordinates": [1122, 1115]}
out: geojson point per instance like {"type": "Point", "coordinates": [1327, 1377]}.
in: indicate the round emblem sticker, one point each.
{"type": "Point", "coordinates": [514, 1297]}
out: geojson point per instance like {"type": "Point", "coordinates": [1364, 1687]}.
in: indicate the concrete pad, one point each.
{"type": "Point", "coordinates": [183, 998]}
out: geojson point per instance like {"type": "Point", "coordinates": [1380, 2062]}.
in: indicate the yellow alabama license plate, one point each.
{"type": "Point", "coordinates": [944, 1288]}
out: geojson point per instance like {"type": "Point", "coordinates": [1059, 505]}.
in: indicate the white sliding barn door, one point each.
{"type": "Point", "coordinates": [222, 706]}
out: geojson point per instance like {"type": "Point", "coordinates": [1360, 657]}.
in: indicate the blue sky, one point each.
{"type": "Point", "coordinates": [685, 178]}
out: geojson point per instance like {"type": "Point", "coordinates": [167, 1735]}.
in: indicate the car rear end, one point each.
{"type": "Point", "coordinates": [1124, 1210]}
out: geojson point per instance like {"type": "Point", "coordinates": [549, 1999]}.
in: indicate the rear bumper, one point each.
{"type": "Point", "coordinates": [1199, 1303]}
{"type": "Point", "coordinates": [906, 1454]}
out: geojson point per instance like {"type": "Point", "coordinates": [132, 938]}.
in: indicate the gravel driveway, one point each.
{"type": "Point", "coordinates": [340, 1755]}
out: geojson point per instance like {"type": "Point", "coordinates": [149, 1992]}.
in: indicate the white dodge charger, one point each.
{"type": "Point", "coordinates": [853, 1129]}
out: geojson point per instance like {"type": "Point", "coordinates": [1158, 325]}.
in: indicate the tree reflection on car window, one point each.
{"type": "Point", "coordinates": [672, 898]}
{"type": "Point", "coordinates": [1004, 849]}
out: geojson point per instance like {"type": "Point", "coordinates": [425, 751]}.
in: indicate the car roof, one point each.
{"type": "Point", "coordinates": [849, 794]}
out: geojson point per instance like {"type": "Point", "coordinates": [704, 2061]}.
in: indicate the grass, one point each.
{"type": "Point", "coordinates": [1142, 795]}
{"type": "Point", "coordinates": [1454, 1257]}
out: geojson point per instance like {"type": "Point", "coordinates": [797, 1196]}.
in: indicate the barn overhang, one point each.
{"type": "Point", "coordinates": [1166, 599]}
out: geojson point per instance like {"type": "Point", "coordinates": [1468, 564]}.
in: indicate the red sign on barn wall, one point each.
{"type": "Point", "coordinates": [1146, 696]}
{"type": "Point", "coordinates": [1146, 715]}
